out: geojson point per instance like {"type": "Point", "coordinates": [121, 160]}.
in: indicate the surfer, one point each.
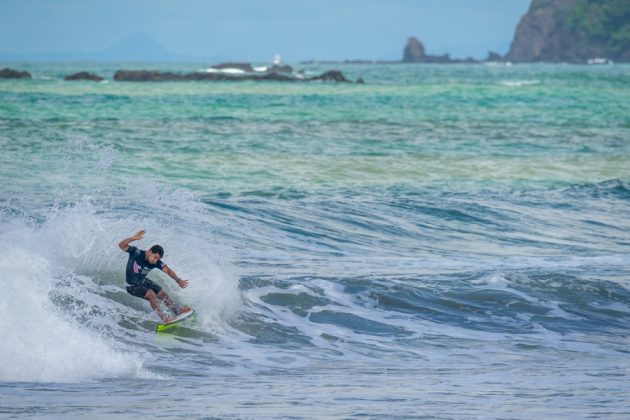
{"type": "Point", "coordinates": [138, 266]}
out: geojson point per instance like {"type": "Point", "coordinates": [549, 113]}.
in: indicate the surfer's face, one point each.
{"type": "Point", "coordinates": [151, 257]}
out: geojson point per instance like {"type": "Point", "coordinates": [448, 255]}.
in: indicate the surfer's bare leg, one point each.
{"type": "Point", "coordinates": [170, 304]}
{"type": "Point", "coordinates": [155, 305]}
{"type": "Point", "coordinates": [167, 301]}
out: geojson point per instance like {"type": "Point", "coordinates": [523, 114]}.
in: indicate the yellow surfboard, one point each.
{"type": "Point", "coordinates": [179, 318]}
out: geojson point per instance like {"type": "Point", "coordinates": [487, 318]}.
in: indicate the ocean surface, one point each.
{"type": "Point", "coordinates": [448, 241]}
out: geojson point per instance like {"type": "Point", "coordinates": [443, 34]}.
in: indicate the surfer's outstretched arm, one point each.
{"type": "Point", "coordinates": [124, 244]}
{"type": "Point", "coordinates": [180, 282]}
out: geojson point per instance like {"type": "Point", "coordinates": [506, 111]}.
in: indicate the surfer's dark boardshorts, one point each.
{"type": "Point", "coordinates": [142, 288]}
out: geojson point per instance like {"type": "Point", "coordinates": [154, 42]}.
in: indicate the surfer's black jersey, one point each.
{"type": "Point", "coordinates": [138, 267]}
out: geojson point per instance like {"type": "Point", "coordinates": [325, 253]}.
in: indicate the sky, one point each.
{"type": "Point", "coordinates": [256, 30]}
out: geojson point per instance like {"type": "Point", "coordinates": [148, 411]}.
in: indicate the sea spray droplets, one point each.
{"type": "Point", "coordinates": [108, 156]}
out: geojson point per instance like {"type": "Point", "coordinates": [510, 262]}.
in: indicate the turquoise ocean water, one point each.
{"type": "Point", "coordinates": [446, 241]}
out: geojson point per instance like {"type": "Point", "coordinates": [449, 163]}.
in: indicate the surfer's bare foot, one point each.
{"type": "Point", "coordinates": [166, 319]}
{"type": "Point", "coordinates": [184, 309]}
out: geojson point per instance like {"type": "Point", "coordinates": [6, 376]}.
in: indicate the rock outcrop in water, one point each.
{"type": "Point", "coordinates": [159, 76]}
{"type": "Point", "coordinates": [414, 52]}
{"type": "Point", "coordinates": [573, 31]}
{"type": "Point", "coordinates": [14, 74]}
{"type": "Point", "coordinates": [281, 68]}
{"type": "Point", "coordinates": [331, 76]}
{"type": "Point", "coordinates": [84, 75]}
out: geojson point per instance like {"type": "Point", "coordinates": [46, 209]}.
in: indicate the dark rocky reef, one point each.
{"type": "Point", "coordinates": [281, 68]}
{"type": "Point", "coordinates": [331, 76]}
{"type": "Point", "coordinates": [573, 31]}
{"type": "Point", "coordinates": [84, 75]}
{"type": "Point", "coordinates": [14, 74]}
{"type": "Point", "coordinates": [158, 76]}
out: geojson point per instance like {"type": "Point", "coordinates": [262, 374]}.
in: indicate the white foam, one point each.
{"type": "Point", "coordinates": [212, 290]}
{"type": "Point", "coordinates": [225, 70]}
{"type": "Point", "coordinates": [73, 255]}
{"type": "Point", "coordinates": [498, 63]}
{"type": "Point", "coordinates": [40, 343]}
{"type": "Point", "coordinates": [519, 83]}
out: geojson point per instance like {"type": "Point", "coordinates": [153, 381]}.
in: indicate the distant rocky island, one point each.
{"type": "Point", "coordinates": [237, 73]}
{"type": "Point", "coordinates": [569, 31]}
{"type": "Point", "coordinates": [566, 31]}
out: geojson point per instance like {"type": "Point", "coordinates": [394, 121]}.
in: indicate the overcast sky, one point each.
{"type": "Point", "coordinates": [255, 30]}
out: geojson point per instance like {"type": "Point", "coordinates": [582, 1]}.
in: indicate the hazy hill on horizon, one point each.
{"type": "Point", "coordinates": [133, 47]}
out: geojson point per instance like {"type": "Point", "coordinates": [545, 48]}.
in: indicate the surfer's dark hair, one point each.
{"type": "Point", "coordinates": [156, 249]}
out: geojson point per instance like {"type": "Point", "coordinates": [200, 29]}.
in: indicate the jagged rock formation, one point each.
{"type": "Point", "coordinates": [573, 31]}
{"type": "Point", "coordinates": [14, 74]}
{"type": "Point", "coordinates": [414, 53]}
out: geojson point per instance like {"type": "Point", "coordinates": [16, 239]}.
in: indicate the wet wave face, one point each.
{"type": "Point", "coordinates": [448, 246]}
{"type": "Point", "coordinates": [393, 278]}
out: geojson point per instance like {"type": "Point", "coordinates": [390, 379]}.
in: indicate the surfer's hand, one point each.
{"type": "Point", "coordinates": [138, 235]}
{"type": "Point", "coordinates": [182, 283]}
